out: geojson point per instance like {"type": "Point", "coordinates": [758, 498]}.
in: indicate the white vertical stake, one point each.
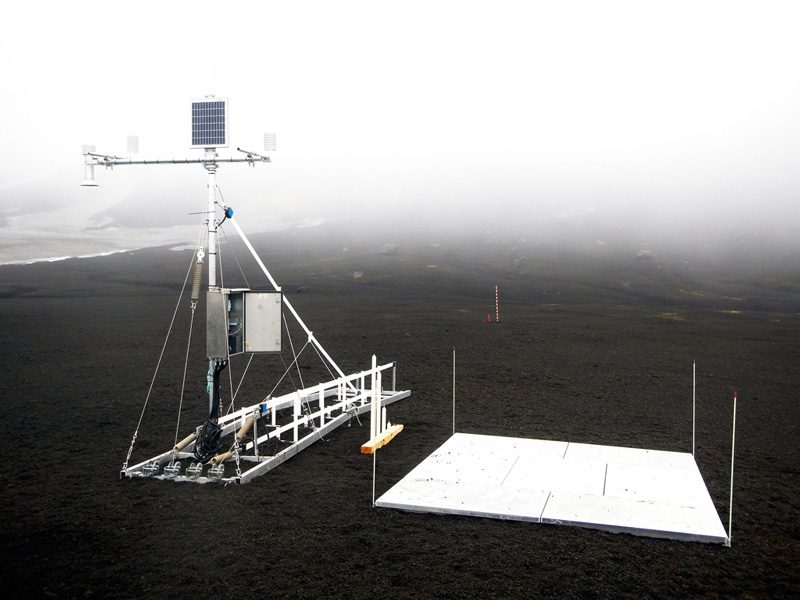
{"type": "Point", "coordinates": [381, 410]}
{"type": "Point", "coordinates": [730, 502]}
{"type": "Point", "coordinates": [374, 463]}
{"type": "Point", "coordinates": [694, 404]}
{"type": "Point", "coordinates": [376, 407]}
{"type": "Point", "coordinates": [496, 306]}
{"type": "Point", "coordinates": [454, 390]}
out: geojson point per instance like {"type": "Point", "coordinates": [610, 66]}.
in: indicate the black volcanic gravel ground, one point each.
{"type": "Point", "coordinates": [590, 348]}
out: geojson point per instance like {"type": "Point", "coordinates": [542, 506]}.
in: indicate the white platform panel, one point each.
{"type": "Point", "coordinates": [643, 492]}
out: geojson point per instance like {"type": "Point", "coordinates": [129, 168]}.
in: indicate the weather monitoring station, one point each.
{"type": "Point", "coordinates": [619, 489]}
{"type": "Point", "coordinates": [235, 444]}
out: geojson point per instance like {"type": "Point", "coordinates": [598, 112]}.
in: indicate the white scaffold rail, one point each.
{"type": "Point", "coordinates": [314, 412]}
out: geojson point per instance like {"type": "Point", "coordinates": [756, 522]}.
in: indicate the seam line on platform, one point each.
{"type": "Point", "coordinates": [509, 471]}
{"type": "Point", "coordinates": [544, 508]}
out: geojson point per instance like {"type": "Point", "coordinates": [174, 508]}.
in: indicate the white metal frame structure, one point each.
{"type": "Point", "coordinates": [298, 418]}
{"type": "Point", "coordinates": [314, 412]}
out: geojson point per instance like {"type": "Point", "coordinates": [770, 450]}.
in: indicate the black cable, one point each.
{"type": "Point", "coordinates": [209, 441]}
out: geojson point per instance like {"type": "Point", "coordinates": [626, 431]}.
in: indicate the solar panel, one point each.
{"type": "Point", "coordinates": [210, 123]}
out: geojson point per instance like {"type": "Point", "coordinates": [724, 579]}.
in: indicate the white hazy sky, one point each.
{"type": "Point", "coordinates": [656, 108]}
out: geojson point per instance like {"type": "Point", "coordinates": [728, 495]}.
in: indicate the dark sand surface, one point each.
{"type": "Point", "coordinates": [594, 345]}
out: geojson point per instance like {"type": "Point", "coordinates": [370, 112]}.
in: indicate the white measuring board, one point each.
{"type": "Point", "coordinates": [644, 492]}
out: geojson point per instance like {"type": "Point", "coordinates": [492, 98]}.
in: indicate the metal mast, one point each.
{"type": "Point", "coordinates": [209, 439]}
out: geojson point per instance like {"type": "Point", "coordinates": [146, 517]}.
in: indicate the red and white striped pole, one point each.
{"type": "Point", "coordinates": [496, 306]}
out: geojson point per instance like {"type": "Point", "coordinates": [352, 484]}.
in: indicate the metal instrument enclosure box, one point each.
{"type": "Point", "coordinates": [243, 321]}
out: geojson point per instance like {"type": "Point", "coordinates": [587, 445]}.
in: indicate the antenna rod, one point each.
{"type": "Point", "coordinates": [374, 419]}
{"type": "Point", "coordinates": [730, 502]}
{"type": "Point", "coordinates": [454, 390]}
{"type": "Point", "coordinates": [694, 405]}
